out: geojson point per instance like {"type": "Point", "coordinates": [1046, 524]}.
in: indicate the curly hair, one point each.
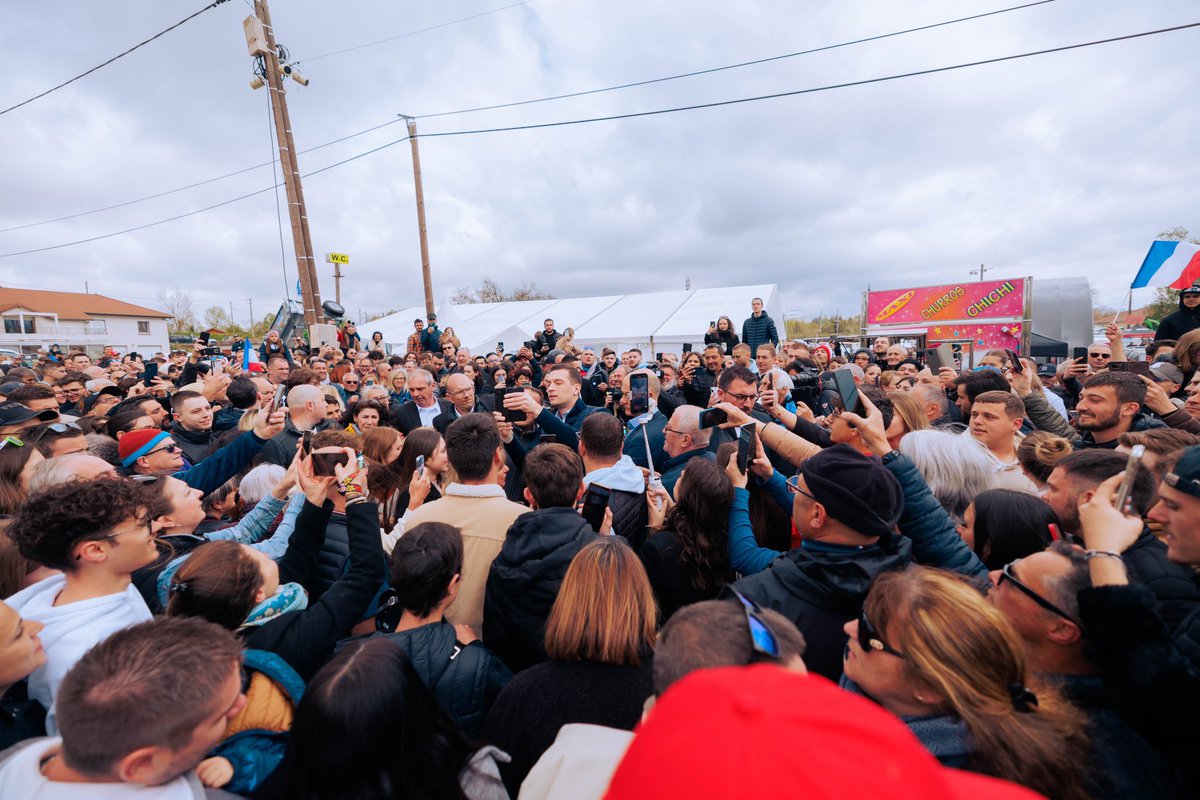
{"type": "Point", "coordinates": [700, 517]}
{"type": "Point", "coordinates": [50, 523]}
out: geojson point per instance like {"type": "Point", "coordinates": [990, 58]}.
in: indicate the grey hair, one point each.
{"type": "Point", "coordinates": [259, 482]}
{"type": "Point", "coordinates": [687, 418]}
{"type": "Point", "coordinates": [955, 467]}
{"type": "Point", "coordinates": [375, 390]}
{"type": "Point", "coordinates": [1064, 589]}
{"type": "Point", "coordinates": [57, 471]}
{"type": "Point", "coordinates": [102, 446]}
{"type": "Point", "coordinates": [422, 373]}
{"type": "Point", "coordinates": [932, 394]}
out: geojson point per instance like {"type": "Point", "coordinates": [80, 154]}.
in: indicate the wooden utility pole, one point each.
{"type": "Point", "coordinates": [980, 272]}
{"type": "Point", "coordinates": [310, 290]}
{"type": "Point", "coordinates": [416, 159]}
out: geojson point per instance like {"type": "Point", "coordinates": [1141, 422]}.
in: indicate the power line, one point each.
{"type": "Point", "coordinates": [633, 115]}
{"type": "Point", "coordinates": [814, 90]}
{"type": "Point", "coordinates": [142, 43]}
{"type": "Point", "coordinates": [205, 182]}
{"type": "Point", "coordinates": [735, 66]}
{"type": "Point", "coordinates": [507, 105]}
{"type": "Point", "coordinates": [413, 33]}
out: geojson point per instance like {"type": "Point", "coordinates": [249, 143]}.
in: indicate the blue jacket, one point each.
{"type": "Point", "coordinates": [674, 466]}
{"type": "Point", "coordinates": [759, 330]}
{"type": "Point", "coordinates": [223, 464]}
{"type": "Point", "coordinates": [745, 555]}
{"type": "Point", "coordinates": [635, 447]}
{"type": "Point", "coordinates": [578, 413]}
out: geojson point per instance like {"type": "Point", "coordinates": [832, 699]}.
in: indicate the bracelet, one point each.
{"type": "Point", "coordinates": [1090, 554]}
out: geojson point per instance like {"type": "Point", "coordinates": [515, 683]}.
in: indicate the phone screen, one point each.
{"type": "Point", "coordinates": [712, 417]}
{"type": "Point", "coordinates": [594, 504]}
{"type": "Point", "coordinates": [1079, 352]}
{"type": "Point", "coordinates": [639, 394]}
{"type": "Point", "coordinates": [510, 414]}
{"type": "Point", "coordinates": [150, 373]}
{"type": "Point", "coordinates": [420, 465]}
{"type": "Point", "coordinates": [747, 445]}
{"type": "Point", "coordinates": [306, 443]}
{"type": "Point", "coordinates": [277, 401]}
{"type": "Point", "coordinates": [324, 463]}
{"type": "Point", "coordinates": [1131, 468]}
{"type": "Point", "coordinates": [846, 388]}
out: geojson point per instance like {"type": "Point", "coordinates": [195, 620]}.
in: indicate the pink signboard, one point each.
{"type": "Point", "coordinates": [981, 300]}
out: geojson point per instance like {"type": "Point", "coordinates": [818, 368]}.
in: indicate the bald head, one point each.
{"type": "Point", "coordinates": [460, 390]}
{"type": "Point", "coordinates": [306, 405]}
{"type": "Point", "coordinates": [64, 469]}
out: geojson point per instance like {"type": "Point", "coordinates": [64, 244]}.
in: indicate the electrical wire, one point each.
{"type": "Point", "coordinates": [211, 5]}
{"type": "Point", "coordinates": [813, 90]}
{"type": "Point", "coordinates": [412, 33]}
{"type": "Point", "coordinates": [739, 65]}
{"type": "Point", "coordinates": [633, 115]}
{"type": "Point", "coordinates": [260, 68]}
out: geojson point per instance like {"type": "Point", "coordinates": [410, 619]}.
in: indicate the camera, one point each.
{"type": "Point", "coordinates": [209, 352]}
{"type": "Point", "coordinates": [806, 387]}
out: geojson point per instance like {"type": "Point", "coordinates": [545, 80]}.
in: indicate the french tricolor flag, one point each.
{"type": "Point", "coordinates": [1173, 264]}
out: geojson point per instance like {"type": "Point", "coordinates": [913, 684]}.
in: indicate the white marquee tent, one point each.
{"type": "Point", "coordinates": [654, 322]}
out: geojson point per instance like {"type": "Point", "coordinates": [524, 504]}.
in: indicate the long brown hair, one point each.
{"type": "Point", "coordinates": [960, 646]}
{"type": "Point", "coordinates": [378, 441]}
{"type": "Point", "coordinates": [700, 517]}
{"type": "Point", "coordinates": [772, 525]}
{"type": "Point", "coordinates": [909, 409]}
{"type": "Point", "coordinates": [1184, 348]}
{"type": "Point", "coordinates": [218, 582]}
{"type": "Point", "coordinates": [605, 610]}
{"type": "Point", "coordinates": [13, 459]}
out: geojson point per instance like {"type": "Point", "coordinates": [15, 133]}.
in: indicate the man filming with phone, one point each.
{"type": "Point", "coordinates": [698, 384]}
{"type": "Point", "coordinates": [641, 410]}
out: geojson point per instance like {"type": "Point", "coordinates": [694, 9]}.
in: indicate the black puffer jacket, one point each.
{"type": "Point", "coordinates": [1173, 585]}
{"type": "Point", "coordinates": [196, 445]}
{"type": "Point", "coordinates": [726, 340]}
{"type": "Point", "coordinates": [524, 581]}
{"type": "Point", "coordinates": [334, 552]}
{"type": "Point", "coordinates": [1177, 323]}
{"type": "Point", "coordinates": [759, 330]}
{"type": "Point", "coordinates": [464, 678]}
{"type": "Point", "coordinates": [821, 591]}
{"type": "Point", "coordinates": [629, 515]}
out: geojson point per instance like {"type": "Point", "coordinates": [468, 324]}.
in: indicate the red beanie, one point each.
{"type": "Point", "coordinates": [764, 731]}
{"type": "Point", "coordinates": [136, 444]}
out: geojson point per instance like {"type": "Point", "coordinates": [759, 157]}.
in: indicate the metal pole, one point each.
{"type": "Point", "coordinates": [416, 158]}
{"type": "Point", "coordinates": [337, 283]}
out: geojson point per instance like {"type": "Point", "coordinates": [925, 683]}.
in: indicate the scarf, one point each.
{"type": "Point", "coordinates": [288, 597]}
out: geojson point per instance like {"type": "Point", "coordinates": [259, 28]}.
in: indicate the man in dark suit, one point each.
{"type": "Point", "coordinates": [424, 408]}
{"type": "Point", "coordinates": [461, 392]}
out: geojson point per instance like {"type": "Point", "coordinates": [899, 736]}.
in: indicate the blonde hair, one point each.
{"type": "Point", "coordinates": [960, 646]}
{"type": "Point", "coordinates": [249, 417]}
{"type": "Point", "coordinates": [605, 610]}
{"type": "Point", "coordinates": [910, 411]}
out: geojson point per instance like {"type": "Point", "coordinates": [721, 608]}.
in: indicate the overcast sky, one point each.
{"type": "Point", "coordinates": [1058, 165]}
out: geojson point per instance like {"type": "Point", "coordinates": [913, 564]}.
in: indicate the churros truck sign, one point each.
{"type": "Point", "coordinates": [954, 302]}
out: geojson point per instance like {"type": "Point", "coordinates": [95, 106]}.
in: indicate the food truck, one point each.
{"type": "Point", "coordinates": [976, 316]}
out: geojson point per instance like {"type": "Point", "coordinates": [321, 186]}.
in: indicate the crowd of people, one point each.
{"type": "Point", "coordinates": [763, 567]}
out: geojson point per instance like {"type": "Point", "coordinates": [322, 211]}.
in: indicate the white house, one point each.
{"type": "Point", "coordinates": [34, 320]}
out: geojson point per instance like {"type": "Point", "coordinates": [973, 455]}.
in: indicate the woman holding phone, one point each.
{"type": "Point", "coordinates": [722, 334]}
{"type": "Point", "coordinates": [419, 470]}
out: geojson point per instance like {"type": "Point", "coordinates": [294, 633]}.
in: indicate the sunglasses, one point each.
{"type": "Point", "coordinates": [13, 440]}
{"type": "Point", "coordinates": [169, 448]}
{"type": "Point", "coordinates": [1099, 355]}
{"type": "Point", "coordinates": [1006, 574]}
{"type": "Point", "coordinates": [869, 638]}
{"type": "Point", "coordinates": [761, 637]}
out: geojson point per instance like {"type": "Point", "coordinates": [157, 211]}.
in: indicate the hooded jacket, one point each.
{"type": "Point", "coordinates": [524, 581]}
{"type": "Point", "coordinates": [822, 588]}
{"type": "Point", "coordinates": [196, 445]}
{"type": "Point", "coordinates": [71, 630]}
{"type": "Point", "coordinates": [465, 678]}
{"type": "Point", "coordinates": [1177, 323]}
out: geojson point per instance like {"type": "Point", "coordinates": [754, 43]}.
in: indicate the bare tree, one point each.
{"type": "Point", "coordinates": [490, 292]}
{"type": "Point", "coordinates": [178, 304]}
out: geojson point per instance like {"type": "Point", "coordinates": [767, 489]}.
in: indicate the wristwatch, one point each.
{"type": "Point", "coordinates": [891, 456]}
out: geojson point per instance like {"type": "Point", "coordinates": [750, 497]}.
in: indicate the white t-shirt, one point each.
{"type": "Point", "coordinates": [71, 630]}
{"type": "Point", "coordinates": [21, 777]}
{"type": "Point", "coordinates": [429, 414]}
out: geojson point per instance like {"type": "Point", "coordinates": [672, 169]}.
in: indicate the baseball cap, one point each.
{"type": "Point", "coordinates": [765, 731]}
{"type": "Point", "coordinates": [1047, 370]}
{"type": "Point", "coordinates": [1193, 289]}
{"type": "Point", "coordinates": [1166, 371]}
{"type": "Point", "coordinates": [1186, 475]}
{"type": "Point", "coordinates": [16, 413]}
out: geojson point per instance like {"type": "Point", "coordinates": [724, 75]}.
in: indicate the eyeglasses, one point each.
{"type": "Point", "coordinates": [148, 526]}
{"type": "Point", "coordinates": [350, 383]}
{"type": "Point", "coordinates": [869, 638]}
{"type": "Point", "coordinates": [166, 448]}
{"type": "Point", "coordinates": [793, 485]}
{"type": "Point", "coordinates": [762, 639]}
{"type": "Point", "coordinates": [743, 397]}
{"type": "Point", "coordinates": [1006, 574]}
{"type": "Point", "coordinates": [13, 440]}
{"type": "Point", "coordinates": [1099, 355]}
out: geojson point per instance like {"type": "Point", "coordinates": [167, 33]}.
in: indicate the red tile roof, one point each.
{"type": "Point", "coordinates": [72, 305]}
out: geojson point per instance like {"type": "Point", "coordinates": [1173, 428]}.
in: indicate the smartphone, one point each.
{"type": "Point", "coordinates": [687, 347]}
{"type": "Point", "coordinates": [938, 357]}
{"type": "Point", "coordinates": [276, 401]}
{"type": "Point", "coordinates": [1135, 367]}
{"type": "Point", "coordinates": [306, 443]}
{"type": "Point", "coordinates": [712, 417]}
{"type": "Point", "coordinates": [205, 337]}
{"type": "Point", "coordinates": [510, 414]}
{"type": "Point", "coordinates": [712, 323]}
{"type": "Point", "coordinates": [499, 347]}
{"type": "Point", "coordinates": [548, 438]}
{"type": "Point", "coordinates": [420, 465]}
{"type": "Point", "coordinates": [844, 382]}
{"type": "Point", "coordinates": [594, 504]}
{"type": "Point", "coordinates": [1131, 467]}
{"type": "Point", "coordinates": [150, 373]}
{"type": "Point", "coordinates": [324, 463]}
{"type": "Point", "coordinates": [639, 394]}
{"type": "Point", "coordinates": [1014, 361]}
{"type": "Point", "coordinates": [747, 445]}
{"type": "Point", "coordinates": [1079, 352]}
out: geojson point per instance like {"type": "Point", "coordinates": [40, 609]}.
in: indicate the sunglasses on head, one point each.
{"type": "Point", "coordinates": [1006, 574]}
{"type": "Point", "coordinates": [13, 440]}
{"type": "Point", "coordinates": [762, 639]}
